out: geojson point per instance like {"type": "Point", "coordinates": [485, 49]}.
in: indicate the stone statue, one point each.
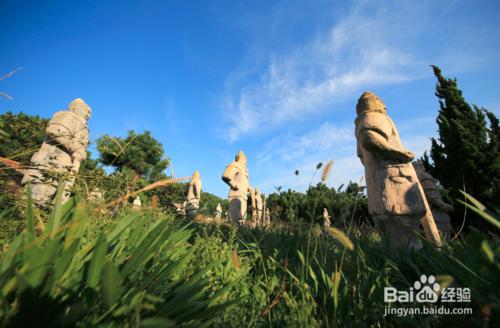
{"type": "Point", "coordinates": [326, 219]}
{"type": "Point", "coordinates": [266, 215]}
{"type": "Point", "coordinates": [259, 206]}
{"type": "Point", "coordinates": [60, 155]}
{"type": "Point", "coordinates": [236, 176]}
{"type": "Point", "coordinates": [155, 201]}
{"type": "Point", "coordinates": [96, 196]}
{"type": "Point", "coordinates": [252, 207]}
{"type": "Point", "coordinates": [395, 197]}
{"type": "Point", "coordinates": [136, 204]}
{"type": "Point", "coordinates": [193, 196]}
{"type": "Point", "coordinates": [218, 212]}
{"type": "Point", "coordinates": [439, 208]}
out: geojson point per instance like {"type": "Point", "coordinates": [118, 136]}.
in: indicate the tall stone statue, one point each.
{"type": "Point", "coordinates": [218, 212]}
{"type": "Point", "coordinates": [326, 219]}
{"type": "Point", "coordinates": [60, 156]}
{"type": "Point", "coordinates": [193, 196]}
{"type": "Point", "coordinates": [395, 197]}
{"type": "Point", "coordinates": [439, 208]}
{"type": "Point", "coordinates": [259, 206]}
{"type": "Point", "coordinates": [236, 176]}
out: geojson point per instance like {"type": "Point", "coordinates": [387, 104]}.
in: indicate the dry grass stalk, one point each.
{"type": "Point", "coordinates": [11, 164]}
{"type": "Point", "coordinates": [326, 171]}
{"type": "Point", "coordinates": [341, 237]}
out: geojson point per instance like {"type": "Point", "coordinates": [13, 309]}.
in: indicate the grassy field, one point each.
{"type": "Point", "coordinates": [148, 269]}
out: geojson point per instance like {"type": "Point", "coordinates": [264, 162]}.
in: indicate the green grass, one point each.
{"type": "Point", "coordinates": [149, 269]}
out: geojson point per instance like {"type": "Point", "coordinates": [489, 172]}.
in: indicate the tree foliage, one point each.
{"type": "Point", "coordinates": [21, 136]}
{"type": "Point", "coordinates": [345, 207]}
{"type": "Point", "coordinates": [466, 154]}
{"type": "Point", "coordinates": [141, 153]}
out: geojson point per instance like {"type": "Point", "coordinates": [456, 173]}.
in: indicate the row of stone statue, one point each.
{"type": "Point", "coordinates": [401, 195]}
{"type": "Point", "coordinates": [246, 205]}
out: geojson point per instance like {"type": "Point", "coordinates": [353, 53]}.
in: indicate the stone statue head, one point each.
{"type": "Point", "coordinates": [196, 175]}
{"type": "Point", "coordinates": [80, 108]}
{"type": "Point", "coordinates": [257, 191]}
{"type": "Point", "coordinates": [369, 102]}
{"type": "Point", "coordinates": [241, 157]}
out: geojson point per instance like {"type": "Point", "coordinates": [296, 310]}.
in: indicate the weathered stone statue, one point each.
{"type": "Point", "coordinates": [266, 215]}
{"type": "Point", "coordinates": [439, 208]}
{"type": "Point", "coordinates": [252, 207]}
{"type": "Point", "coordinates": [395, 197]}
{"type": "Point", "coordinates": [96, 196]}
{"type": "Point", "coordinates": [326, 219]}
{"type": "Point", "coordinates": [193, 196]}
{"type": "Point", "coordinates": [61, 154]}
{"type": "Point", "coordinates": [155, 201]}
{"type": "Point", "coordinates": [236, 176]}
{"type": "Point", "coordinates": [136, 204]}
{"type": "Point", "coordinates": [218, 212]}
{"type": "Point", "coordinates": [259, 206]}
{"type": "Point", "coordinates": [267, 218]}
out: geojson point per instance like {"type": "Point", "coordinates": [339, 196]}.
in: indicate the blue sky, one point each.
{"type": "Point", "coordinates": [278, 79]}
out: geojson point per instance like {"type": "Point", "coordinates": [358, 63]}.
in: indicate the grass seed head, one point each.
{"type": "Point", "coordinates": [326, 171]}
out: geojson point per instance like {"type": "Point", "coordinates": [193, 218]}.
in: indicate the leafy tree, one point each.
{"type": "Point", "coordinates": [21, 136]}
{"type": "Point", "coordinates": [141, 153]}
{"type": "Point", "coordinates": [168, 195]}
{"type": "Point", "coordinates": [466, 154]}
{"type": "Point", "coordinates": [208, 203]}
{"type": "Point", "coordinates": [345, 207]}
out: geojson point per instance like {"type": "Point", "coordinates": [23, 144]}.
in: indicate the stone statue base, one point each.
{"type": "Point", "coordinates": [399, 230]}
{"type": "Point", "coordinates": [237, 210]}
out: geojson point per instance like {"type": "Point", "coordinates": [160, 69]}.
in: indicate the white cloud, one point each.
{"type": "Point", "coordinates": [356, 52]}
{"type": "Point", "coordinates": [283, 155]}
{"type": "Point", "coordinates": [374, 44]}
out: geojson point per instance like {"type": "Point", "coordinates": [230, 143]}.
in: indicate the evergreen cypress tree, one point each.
{"type": "Point", "coordinates": [466, 155]}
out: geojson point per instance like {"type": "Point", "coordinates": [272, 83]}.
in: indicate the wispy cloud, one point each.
{"type": "Point", "coordinates": [322, 140]}
{"type": "Point", "coordinates": [356, 52]}
{"type": "Point", "coordinates": [283, 155]}
{"type": "Point", "coordinates": [373, 44]}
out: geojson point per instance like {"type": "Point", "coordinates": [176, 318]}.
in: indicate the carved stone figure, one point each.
{"type": "Point", "coordinates": [259, 206]}
{"type": "Point", "coordinates": [439, 208]}
{"type": "Point", "coordinates": [95, 196]}
{"type": "Point", "coordinates": [236, 176]}
{"type": "Point", "coordinates": [180, 208]}
{"type": "Point", "coordinates": [218, 212]}
{"type": "Point", "coordinates": [326, 219]}
{"type": "Point", "coordinates": [136, 204]}
{"type": "Point", "coordinates": [155, 201]}
{"type": "Point", "coordinates": [193, 196]}
{"type": "Point", "coordinates": [60, 155]}
{"type": "Point", "coordinates": [266, 215]}
{"type": "Point", "coordinates": [252, 207]}
{"type": "Point", "coordinates": [395, 197]}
